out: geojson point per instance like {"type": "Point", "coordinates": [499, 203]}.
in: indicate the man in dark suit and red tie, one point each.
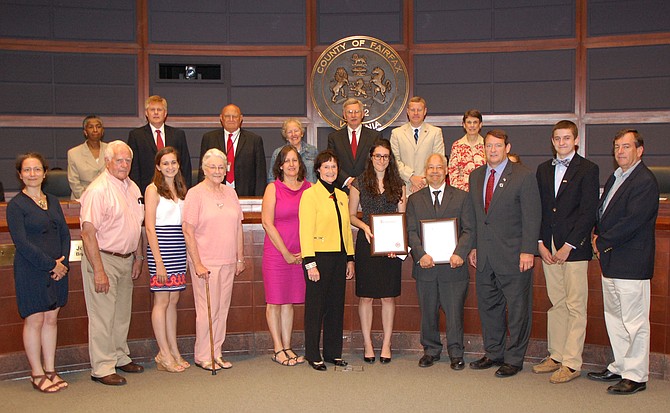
{"type": "Point", "coordinates": [352, 144]}
{"type": "Point", "coordinates": [244, 149]}
{"type": "Point", "coordinates": [147, 140]}
{"type": "Point", "coordinates": [508, 213]}
{"type": "Point", "coordinates": [569, 190]}
{"type": "Point", "coordinates": [624, 242]}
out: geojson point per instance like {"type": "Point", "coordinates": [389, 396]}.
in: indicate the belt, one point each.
{"type": "Point", "coordinates": [116, 254]}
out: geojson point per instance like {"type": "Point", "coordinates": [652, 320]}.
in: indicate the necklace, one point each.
{"type": "Point", "coordinates": [40, 200]}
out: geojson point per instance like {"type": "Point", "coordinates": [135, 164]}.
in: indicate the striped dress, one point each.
{"type": "Point", "coordinates": [172, 246]}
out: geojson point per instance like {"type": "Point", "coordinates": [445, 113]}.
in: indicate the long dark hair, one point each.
{"type": "Point", "coordinates": [279, 161]}
{"type": "Point", "coordinates": [392, 182]}
{"type": "Point", "coordinates": [159, 179]}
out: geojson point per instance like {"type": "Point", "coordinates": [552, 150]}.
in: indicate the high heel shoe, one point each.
{"type": "Point", "coordinates": [369, 360]}
{"type": "Point", "coordinates": [185, 364]}
{"type": "Point", "coordinates": [172, 367]}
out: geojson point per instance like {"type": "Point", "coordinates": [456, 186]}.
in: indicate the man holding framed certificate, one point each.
{"type": "Point", "coordinates": [440, 282]}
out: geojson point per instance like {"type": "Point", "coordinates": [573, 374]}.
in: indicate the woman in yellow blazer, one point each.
{"type": "Point", "coordinates": [327, 251]}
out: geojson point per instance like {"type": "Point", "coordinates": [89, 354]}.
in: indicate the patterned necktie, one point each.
{"type": "Point", "coordinates": [354, 144]}
{"type": "Point", "coordinates": [230, 154]}
{"type": "Point", "coordinates": [436, 203]}
{"type": "Point", "coordinates": [565, 162]}
{"type": "Point", "coordinates": [416, 135]}
{"type": "Point", "coordinates": [489, 190]}
{"type": "Point", "coordinates": [159, 141]}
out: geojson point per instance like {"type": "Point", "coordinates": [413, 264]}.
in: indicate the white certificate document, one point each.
{"type": "Point", "coordinates": [389, 234]}
{"type": "Point", "coordinates": [439, 238]}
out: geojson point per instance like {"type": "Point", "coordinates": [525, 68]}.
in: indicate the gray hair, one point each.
{"type": "Point", "coordinates": [445, 162]}
{"type": "Point", "coordinates": [112, 148]}
{"type": "Point", "coordinates": [214, 152]}
{"type": "Point", "coordinates": [284, 126]}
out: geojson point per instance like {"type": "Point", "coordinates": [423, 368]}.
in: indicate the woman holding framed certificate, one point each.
{"type": "Point", "coordinates": [378, 190]}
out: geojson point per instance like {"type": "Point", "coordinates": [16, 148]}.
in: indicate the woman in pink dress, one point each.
{"type": "Point", "coordinates": [283, 277]}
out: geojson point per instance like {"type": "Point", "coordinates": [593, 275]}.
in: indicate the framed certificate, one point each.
{"type": "Point", "coordinates": [439, 238]}
{"type": "Point", "coordinates": [389, 234]}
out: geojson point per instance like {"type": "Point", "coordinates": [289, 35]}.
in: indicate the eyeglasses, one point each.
{"type": "Point", "coordinates": [231, 117]}
{"type": "Point", "coordinates": [353, 112]}
{"type": "Point", "coordinates": [36, 169]}
{"type": "Point", "coordinates": [379, 157]}
{"type": "Point", "coordinates": [216, 168]}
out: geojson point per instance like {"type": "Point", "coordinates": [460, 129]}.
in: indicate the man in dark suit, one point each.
{"type": "Point", "coordinates": [444, 284]}
{"type": "Point", "coordinates": [147, 140]}
{"type": "Point", "coordinates": [352, 144]}
{"type": "Point", "coordinates": [569, 192]}
{"type": "Point", "coordinates": [624, 242]}
{"type": "Point", "coordinates": [244, 149]}
{"type": "Point", "coordinates": [508, 212]}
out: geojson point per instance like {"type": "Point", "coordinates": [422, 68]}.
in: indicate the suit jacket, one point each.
{"type": "Point", "coordinates": [250, 175]}
{"type": "Point", "coordinates": [348, 166]}
{"type": "Point", "coordinates": [626, 229]}
{"type": "Point", "coordinates": [141, 141]}
{"type": "Point", "coordinates": [319, 230]}
{"type": "Point", "coordinates": [455, 204]}
{"type": "Point", "coordinates": [411, 155]}
{"type": "Point", "coordinates": [569, 215]}
{"type": "Point", "coordinates": [82, 168]}
{"type": "Point", "coordinates": [512, 225]}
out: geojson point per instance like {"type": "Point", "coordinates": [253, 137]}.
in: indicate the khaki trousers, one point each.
{"type": "Point", "coordinates": [108, 314]}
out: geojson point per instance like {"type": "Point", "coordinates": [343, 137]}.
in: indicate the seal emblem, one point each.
{"type": "Point", "coordinates": [364, 68]}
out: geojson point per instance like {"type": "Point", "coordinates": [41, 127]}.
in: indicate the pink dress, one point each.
{"type": "Point", "coordinates": [284, 283]}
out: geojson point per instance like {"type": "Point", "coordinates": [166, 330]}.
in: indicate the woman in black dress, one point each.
{"type": "Point", "coordinates": [378, 190]}
{"type": "Point", "coordinates": [42, 239]}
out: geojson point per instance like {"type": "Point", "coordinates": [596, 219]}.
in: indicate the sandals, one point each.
{"type": "Point", "coordinates": [208, 365]}
{"type": "Point", "coordinates": [298, 359]}
{"type": "Point", "coordinates": [286, 361]}
{"type": "Point", "coordinates": [56, 379]}
{"type": "Point", "coordinates": [172, 367]}
{"type": "Point", "coordinates": [224, 364]}
{"type": "Point", "coordinates": [185, 364]}
{"type": "Point", "coordinates": [40, 386]}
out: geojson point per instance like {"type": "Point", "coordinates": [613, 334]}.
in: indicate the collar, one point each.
{"type": "Point", "coordinates": [441, 188]}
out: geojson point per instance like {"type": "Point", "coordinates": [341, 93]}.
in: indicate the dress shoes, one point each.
{"type": "Point", "coordinates": [457, 363]}
{"type": "Point", "coordinates": [626, 386]}
{"type": "Point", "coordinates": [338, 362]}
{"type": "Point", "coordinates": [507, 370]}
{"type": "Point", "coordinates": [604, 375]}
{"type": "Point", "coordinates": [427, 360]}
{"type": "Point", "coordinates": [484, 363]}
{"type": "Point", "coordinates": [131, 367]}
{"type": "Point", "coordinates": [110, 380]}
{"type": "Point", "coordinates": [384, 360]}
{"type": "Point", "coordinates": [318, 365]}
{"type": "Point", "coordinates": [369, 360]}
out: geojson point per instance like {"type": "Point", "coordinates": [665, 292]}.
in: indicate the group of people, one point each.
{"type": "Point", "coordinates": [504, 213]}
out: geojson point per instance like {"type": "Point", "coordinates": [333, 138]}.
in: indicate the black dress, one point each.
{"type": "Point", "coordinates": [41, 237]}
{"type": "Point", "coordinates": [376, 277]}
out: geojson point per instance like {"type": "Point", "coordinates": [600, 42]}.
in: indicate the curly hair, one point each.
{"type": "Point", "coordinates": [392, 182]}
{"type": "Point", "coordinates": [159, 180]}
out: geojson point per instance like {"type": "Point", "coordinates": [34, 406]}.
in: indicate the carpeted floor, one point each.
{"type": "Point", "coordinates": [256, 384]}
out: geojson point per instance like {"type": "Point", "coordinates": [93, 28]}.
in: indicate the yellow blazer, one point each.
{"type": "Point", "coordinates": [318, 222]}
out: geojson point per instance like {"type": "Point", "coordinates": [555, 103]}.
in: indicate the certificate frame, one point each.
{"type": "Point", "coordinates": [389, 234]}
{"type": "Point", "coordinates": [439, 238]}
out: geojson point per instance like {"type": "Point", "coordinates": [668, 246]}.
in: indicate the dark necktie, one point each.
{"type": "Point", "coordinates": [354, 144]}
{"type": "Point", "coordinates": [565, 162]}
{"type": "Point", "coordinates": [230, 154]}
{"type": "Point", "coordinates": [489, 190]}
{"type": "Point", "coordinates": [416, 135]}
{"type": "Point", "coordinates": [159, 141]}
{"type": "Point", "coordinates": [436, 203]}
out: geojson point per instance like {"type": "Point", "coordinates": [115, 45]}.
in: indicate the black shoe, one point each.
{"type": "Point", "coordinates": [384, 360]}
{"type": "Point", "coordinates": [370, 360]}
{"type": "Point", "coordinates": [338, 362]}
{"type": "Point", "coordinates": [428, 360]}
{"type": "Point", "coordinates": [457, 363]}
{"type": "Point", "coordinates": [318, 365]}
{"type": "Point", "coordinates": [604, 375]}
{"type": "Point", "coordinates": [507, 370]}
{"type": "Point", "coordinates": [626, 386]}
{"type": "Point", "coordinates": [485, 363]}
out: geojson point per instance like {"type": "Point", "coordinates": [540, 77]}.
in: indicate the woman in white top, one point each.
{"type": "Point", "coordinates": [86, 161]}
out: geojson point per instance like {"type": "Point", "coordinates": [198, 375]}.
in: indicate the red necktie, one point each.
{"type": "Point", "coordinates": [489, 190]}
{"type": "Point", "coordinates": [354, 144]}
{"type": "Point", "coordinates": [230, 153]}
{"type": "Point", "coordinates": [159, 141]}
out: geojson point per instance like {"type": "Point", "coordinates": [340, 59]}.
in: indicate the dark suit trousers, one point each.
{"type": "Point", "coordinates": [324, 306]}
{"type": "Point", "coordinates": [450, 295]}
{"type": "Point", "coordinates": [505, 301]}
